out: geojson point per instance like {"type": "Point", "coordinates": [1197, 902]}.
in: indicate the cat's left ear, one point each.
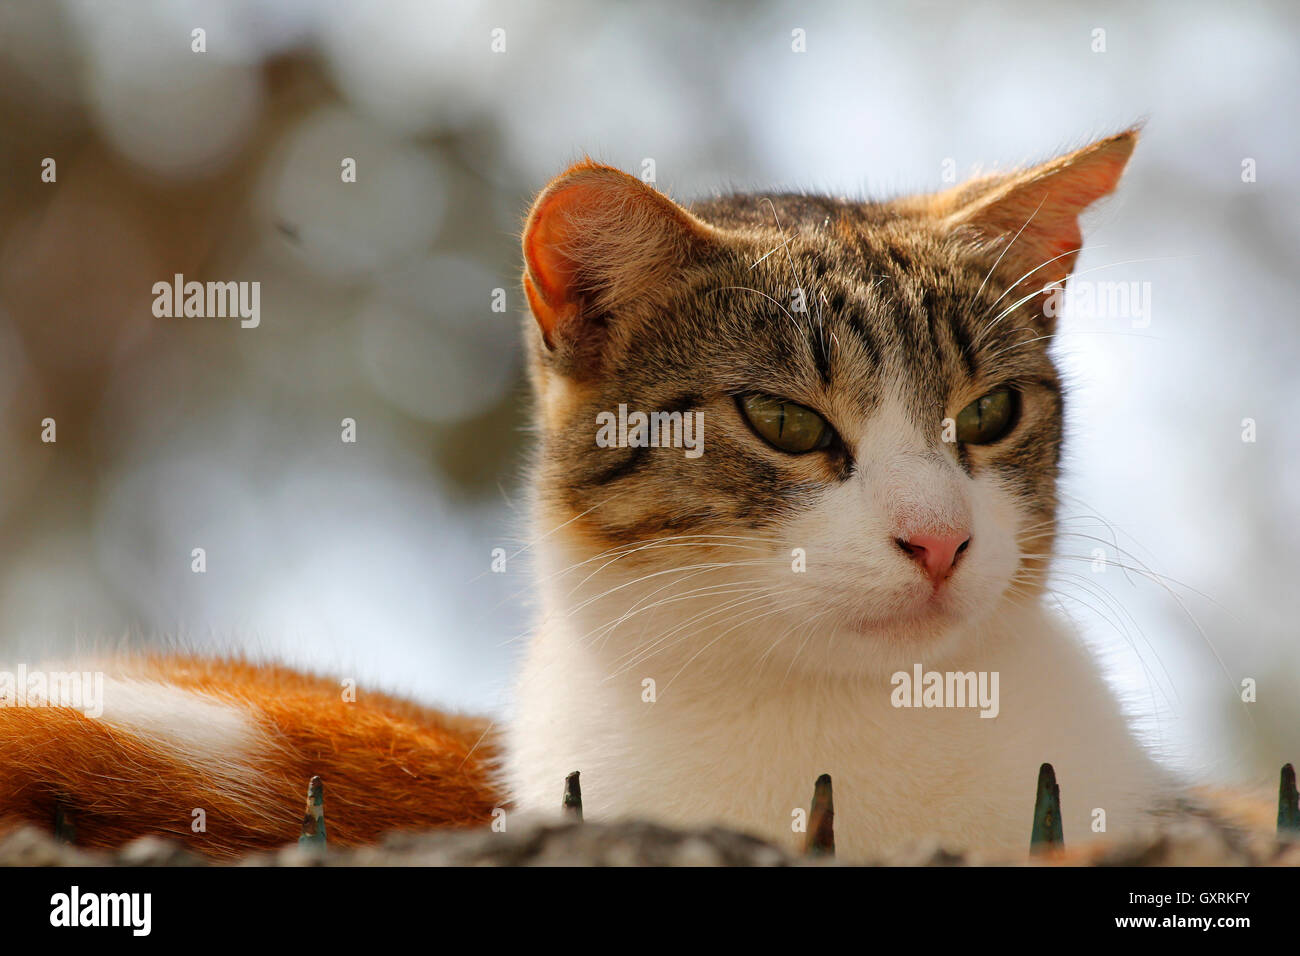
{"type": "Point", "coordinates": [1035, 212]}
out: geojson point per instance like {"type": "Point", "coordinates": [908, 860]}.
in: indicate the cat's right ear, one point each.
{"type": "Point", "coordinates": [599, 244]}
{"type": "Point", "coordinates": [1033, 214]}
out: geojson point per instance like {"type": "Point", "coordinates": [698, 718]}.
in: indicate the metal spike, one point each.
{"type": "Point", "coordinates": [313, 821]}
{"type": "Point", "coordinates": [1047, 834]}
{"type": "Point", "coordinates": [572, 803]}
{"type": "Point", "coordinates": [1288, 804]}
{"type": "Point", "coordinates": [821, 820]}
{"type": "Point", "coordinates": [65, 831]}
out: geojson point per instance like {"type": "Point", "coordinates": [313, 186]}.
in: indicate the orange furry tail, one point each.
{"type": "Point", "coordinates": [217, 754]}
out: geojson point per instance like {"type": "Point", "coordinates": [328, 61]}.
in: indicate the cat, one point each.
{"type": "Point", "coordinates": [877, 495]}
{"type": "Point", "coordinates": [878, 428]}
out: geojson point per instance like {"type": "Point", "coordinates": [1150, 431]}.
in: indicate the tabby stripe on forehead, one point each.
{"type": "Point", "coordinates": [962, 339]}
{"type": "Point", "coordinates": [821, 355]}
{"type": "Point", "coordinates": [927, 308]}
{"type": "Point", "coordinates": [907, 326]}
{"type": "Point", "coordinates": [859, 327]}
{"type": "Point", "coordinates": [956, 335]}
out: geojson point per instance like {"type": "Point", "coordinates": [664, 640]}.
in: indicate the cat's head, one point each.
{"type": "Point", "coordinates": [881, 420]}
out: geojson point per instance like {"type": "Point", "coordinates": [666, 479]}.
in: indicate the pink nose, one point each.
{"type": "Point", "coordinates": [937, 554]}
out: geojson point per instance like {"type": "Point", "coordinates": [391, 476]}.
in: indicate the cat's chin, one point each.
{"type": "Point", "coordinates": [918, 624]}
{"type": "Point", "coordinates": [875, 648]}
{"type": "Point", "coordinates": [926, 616]}
{"type": "Point", "coordinates": [931, 629]}
{"type": "Point", "coordinates": [916, 631]}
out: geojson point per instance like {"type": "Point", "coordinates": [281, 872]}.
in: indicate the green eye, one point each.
{"type": "Point", "coordinates": [987, 419]}
{"type": "Point", "coordinates": [786, 425]}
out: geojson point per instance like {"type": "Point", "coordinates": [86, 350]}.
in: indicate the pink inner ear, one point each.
{"type": "Point", "coordinates": [549, 281]}
{"type": "Point", "coordinates": [1042, 206]}
{"type": "Point", "coordinates": [546, 235]}
{"type": "Point", "coordinates": [1097, 174]}
{"type": "Point", "coordinates": [596, 239]}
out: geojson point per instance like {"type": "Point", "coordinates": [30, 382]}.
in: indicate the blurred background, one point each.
{"type": "Point", "coordinates": [373, 559]}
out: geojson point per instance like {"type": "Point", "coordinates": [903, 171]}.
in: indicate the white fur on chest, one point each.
{"type": "Point", "coordinates": [730, 742]}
